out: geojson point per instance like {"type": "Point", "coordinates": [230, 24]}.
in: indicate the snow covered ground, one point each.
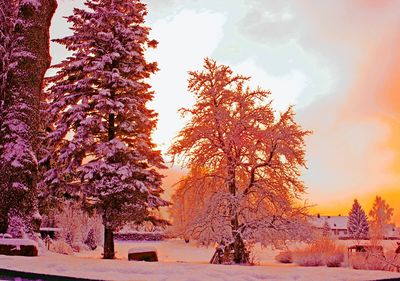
{"type": "Point", "coordinates": [179, 261]}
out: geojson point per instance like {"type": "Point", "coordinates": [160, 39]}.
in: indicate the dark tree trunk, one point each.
{"type": "Point", "coordinates": [3, 221]}
{"type": "Point", "coordinates": [108, 232]}
{"type": "Point", "coordinates": [109, 252]}
{"type": "Point", "coordinates": [240, 254]}
{"type": "Point", "coordinates": [22, 92]}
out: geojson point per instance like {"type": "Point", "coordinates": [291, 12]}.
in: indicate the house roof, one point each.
{"type": "Point", "coordinates": [334, 222]}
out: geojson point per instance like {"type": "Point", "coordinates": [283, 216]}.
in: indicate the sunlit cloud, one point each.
{"type": "Point", "coordinates": [286, 89]}
{"type": "Point", "coordinates": [183, 46]}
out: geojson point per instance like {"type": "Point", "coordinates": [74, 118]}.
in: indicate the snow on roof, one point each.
{"type": "Point", "coordinates": [142, 250]}
{"type": "Point", "coordinates": [18, 242]}
{"type": "Point", "coordinates": [55, 229]}
{"type": "Point", "coordinates": [334, 222]}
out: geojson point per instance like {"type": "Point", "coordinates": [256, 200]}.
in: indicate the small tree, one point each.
{"type": "Point", "coordinates": [91, 240]}
{"type": "Point", "coordinates": [250, 160]}
{"type": "Point", "coordinates": [102, 137]}
{"type": "Point", "coordinates": [357, 225]}
{"type": "Point", "coordinates": [380, 216]}
{"type": "Point", "coordinates": [326, 230]}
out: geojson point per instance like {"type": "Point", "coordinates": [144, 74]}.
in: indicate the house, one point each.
{"type": "Point", "coordinates": [337, 224]}
{"type": "Point", "coordinates": [391, 232]}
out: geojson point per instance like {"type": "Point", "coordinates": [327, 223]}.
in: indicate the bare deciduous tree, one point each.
{"type": "Point", "coordinates": [250, 162]}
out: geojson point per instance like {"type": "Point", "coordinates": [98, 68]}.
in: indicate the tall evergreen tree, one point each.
{"type": "Point", "coordinates": [357, 225]}
{"type": "Point", "coordinates": [102, 135]}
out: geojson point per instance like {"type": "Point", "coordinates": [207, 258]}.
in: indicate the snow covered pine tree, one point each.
{"type": "Point", "coordinates": [250, 163]}
{"type": "Point", "coordinates": [357, 225]}
{"type": "Point", "coordinates": [102, 136]}
{"type": "Point", "coordinates": [24, 55]}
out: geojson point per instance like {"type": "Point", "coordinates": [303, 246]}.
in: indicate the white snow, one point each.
{"type": "Point", "coordinates": [18, 242]}
{"type": "Point", "coordinates": [141, 250]}
{"type": "Point", "coordinates": [180, 262]}
{"type": "Point", "coordinates": [55, 229]}
{"type": "Point", "coordinates": [35, 3]}
{"type": "Point", "coordinates": [334, 222]}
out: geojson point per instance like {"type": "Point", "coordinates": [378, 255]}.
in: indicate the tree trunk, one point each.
{"type": "Point", "coordinates": [240, 252]}
{"type": "Point", "coordinates": [240, 255]}
{"type": "Point", "coordinates": [108, 244]}
{"type": "Point", "coordinates": [31, 59]}
{"type": "Point", "coordinates": [108, 232]}
{"type": "Point", "coordinates": [3, 221]}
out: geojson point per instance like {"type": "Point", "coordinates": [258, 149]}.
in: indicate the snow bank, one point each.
{"type": "Point", "coordinates": [71, 266]}
{"type": "Point", "coordinates": [18, 242]}
{"type": "Point", "coordinates": [141, 250]}
{"type": "Point", "coordinates": [192, 266]}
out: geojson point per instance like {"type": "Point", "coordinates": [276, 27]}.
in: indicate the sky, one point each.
{"type": "Point", "coordinates": [335, 60]}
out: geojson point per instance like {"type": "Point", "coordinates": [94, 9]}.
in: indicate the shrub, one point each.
{"type": "Point", "coordinates": [91, 241]}
{"type": "Point", "coordinates": [16, 226]}
{"type": "Point", "coordinates": [284, 257]}
{"type": "Point", "coordinates": [375, 261]}
{"type": "Point", "coordinates": [334, 259]}
{"type": "Point", "coordinates": [367, 262]}
{"type": "Point", "coordinates": [61, 247]}
{"type": "Point", "coordinates": [393, 261]}
{"type": "Point", "coordinates": [79, 247]}
{"type": "Point", "coordinates": [76, 225]}
{"type": "Point", "coordinates": [308, 258]}
{"type": "Point", "coordinates": [320, 252]}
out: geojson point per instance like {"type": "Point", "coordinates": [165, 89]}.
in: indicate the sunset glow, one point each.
{"type": "Point", "coordinates": [336, 61]}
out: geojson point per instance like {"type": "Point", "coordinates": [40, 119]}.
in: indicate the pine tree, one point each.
{"type": "Point", "coordinates": [357, 225]}
{"type": "Point", "coordinates": [99, 97]}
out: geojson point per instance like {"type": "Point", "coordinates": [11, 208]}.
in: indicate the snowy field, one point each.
{"type": "Point", "coordinates": [178, 261]}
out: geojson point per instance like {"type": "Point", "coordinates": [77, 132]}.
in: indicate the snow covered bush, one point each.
{"type": "Point", "coordinates": [61, 247]}
{"type": "Point", "coordinates": [308, 258]}
{"type": "Point", "coordinates": [79, 247]}
{"type": "Point", "coordinates": [284, 257]}
{"type": "Point", "coordinates": [392, 261]}
{"type": "Point", "coordinates": [334, 258]}
{"type": "Point", "coordinates": [78, 228]}
{"type": "Point", "coordinates": [367, 262]}
{"type": "Point", "coordinates": [372, 257]}
{"type": "Point", "coordinates": [16, 226]}
{"type": "Point", "coordinates": [91, 241]}
{"type": "Point", "coordinates": [323, 251]}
